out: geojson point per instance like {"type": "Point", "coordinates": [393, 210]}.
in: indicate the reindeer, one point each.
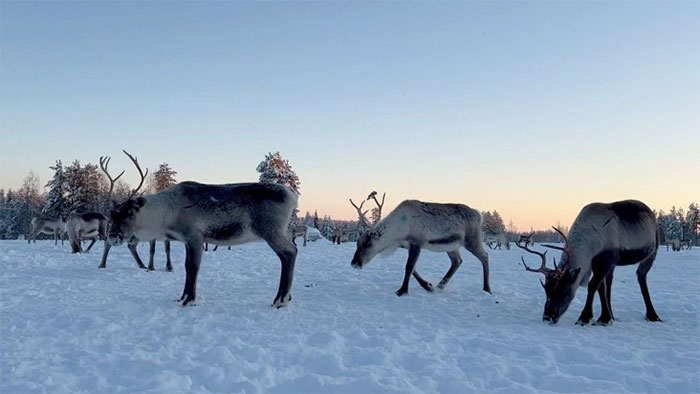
{"type": "Point", "coordinates": [674, 244]}
{"type": "Point", "coordinates": [497, 239]}
{"type": "Point", "coordinates": [417, 225]}
{"type": "Point", "coordinates": [602, 237]}
{"type": "Point", "coordinates": [85, 225]}
{"type": "Point", "coordinates": [47, 225]}
{"type": "Point", "coordinates": [339, 236]}
{"type": "Point", "coordinates": [133, 243]}
{"type": "Point", "coordinates": [231, 214]}
{"type": "Point", "coordinates": [686, 243]}
{"type": "Point", "coordinates": [299, 231]}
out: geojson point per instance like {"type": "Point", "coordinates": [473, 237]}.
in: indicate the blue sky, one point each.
{"type": "Point", "coordinates": [530, 108]}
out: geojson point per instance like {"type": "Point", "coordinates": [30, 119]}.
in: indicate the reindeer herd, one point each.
{"type": "Point", "coordinates": [602, 237]}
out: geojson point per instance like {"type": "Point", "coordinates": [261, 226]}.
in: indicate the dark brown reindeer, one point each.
{"type": "Point", "coordinates": [602, 237]}
{"type": "Point", "coordinates": [133, 243]}
{"type": "Point", "coordinates": [195, 213]}
{"type": "Point", "coordinates": [416, 225]}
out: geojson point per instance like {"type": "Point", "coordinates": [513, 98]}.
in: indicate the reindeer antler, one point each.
{"type": "Point", "coordinates": [379, 207]}
{"type": "Point", "coordinates": [104, 163]}
{"type": "Point", "coordinates": [564, 249]}
{"type": "Point", "coordinates": [141, 173]}
{"type": "Point", "coordinates": [543, 268]}
{"type": "Point", "coordinates": [361, 215]}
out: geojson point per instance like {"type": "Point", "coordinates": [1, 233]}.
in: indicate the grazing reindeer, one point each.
{"type": "Point", "coordinates": [299, 231]}
{"type": "Point", "coordinates": [194, 213]}
{"type": "Point", "coordinates": [497, 239]}
{"type": "Point", "coordinates": [46, 225]}
{"type": "Point", "coordinates": [339, 236]}
{"type": "Point", "coordinates": [686, 243]}
{"type": "Point", "coordinates": [417, 225]}
{"type": "Point", "coordinates": [602, 237]}
{"type": "Point", "coordinates": [133, 243]}
{"type": "Point", "coordinates": [85, 225]}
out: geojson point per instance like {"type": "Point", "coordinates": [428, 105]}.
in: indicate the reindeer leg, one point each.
{"type": "Point", "coordinates": [604, 294]}
{"type": "Point", "coordinates": [105, 253]}
{"type": "Point", "coordinates": [601, 266]}
{"type": "Point", "coordinates": [287, 253]}
{"type": "Point", "coordinates": [90, 246]}
{"type": "Point", "coordinates": [151, 253]}
{"type": "Point", "coordinates": [168, 264]}
{"type": "Point", "coordinates": [644, 267]}
{"type": "Point", "coordinates": [192, 263]}
{"type": "Point", "coordinates": [477, 249]}
{"type": "Point", "coordinates": [413, 253]}
{"type": "Point", "coordinates": [423, 283]}
{"type": "Point", "coordinates": [134, 252]}
{"type": "Point", "coordinates": [456, 260]}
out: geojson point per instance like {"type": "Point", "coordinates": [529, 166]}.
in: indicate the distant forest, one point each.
{"type": "Point", "coordinates": [77, 188]}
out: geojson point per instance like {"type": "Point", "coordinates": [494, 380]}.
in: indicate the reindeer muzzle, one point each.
{"type": "Point", "coordinates": [356, 262]}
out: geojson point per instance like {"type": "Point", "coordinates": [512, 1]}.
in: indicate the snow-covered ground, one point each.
{"type": "Point", "coordinates": [67, 326]}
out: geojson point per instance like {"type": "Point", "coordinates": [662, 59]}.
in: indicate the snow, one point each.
{"type": "Point", "coordinates": [67, 326]}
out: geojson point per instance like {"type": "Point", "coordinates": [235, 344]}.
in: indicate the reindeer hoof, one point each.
{"type": "Point", "coordinates": [401, 292]}
{"type": "Point", "coordinates": [282, 302]}
{"type": "Point", "coordinates": [603, 322]}
{"type": "Point", "coordinates": [151, 269]}
{"type": "Point", "coordinates": [188, 300]}
{"type": "Point", "coordinates": [428, 287]}
{"type": "Point", "coordinates": [581, 322]}
{"type": "Point", "coordinates": [101, 266]}
{"type": "Point", "coordinates": [654, 318]}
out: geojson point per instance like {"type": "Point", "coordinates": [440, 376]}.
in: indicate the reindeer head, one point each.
{"type": "Point", "coordinates": [367, 248]}
{"type": "Point", "coordinates": [367, 245]}
{"type": "Point", "coordinates": [122, 217]}
{"type": "Point", "coordinates": [559, 284]}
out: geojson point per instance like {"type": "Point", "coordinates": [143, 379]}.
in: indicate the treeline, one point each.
{"type": "Point", "coordinates": [74, 188]}
{"type": "Point", "coordinates": [679, 224]}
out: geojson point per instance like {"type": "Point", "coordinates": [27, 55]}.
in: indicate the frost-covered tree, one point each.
{"type": "Point", "coordinates": [163, 178]}
{"type": "Point", "coordinates": [492, 222]}
{"type": "Point", "coordinates": [275, 169]}
{"type": "Point", "coordinates": [327, 227]}
{"type": "Point", "coordinates": [315, 222]}
{"type": "Point", "coordinates": [692, 220]}
{"type": "Point", "coordinates": [30, 200]}
{"type": "Point", "coordinates": [56, 203]}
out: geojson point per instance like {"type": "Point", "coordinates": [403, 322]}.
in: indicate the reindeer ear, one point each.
{"type": "Point", "coordinates": [141, 201]}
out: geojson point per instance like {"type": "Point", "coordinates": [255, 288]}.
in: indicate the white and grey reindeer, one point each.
{"type": "Point", "coordinates": [230, 214]}
{"type": "Point", "coordinates": [602, 237]}
{"type": "Point", "coordinates": [417, 225]}
{"type": "Point", "coordinates": [85, 225]}
{"type": "Point", "coordinates": [300, 231]}
{"type": "Point", "coordinates": [133, 243]}
{"type": "Point", "coordinates": [47, 225]}
{"type": "Point", "coordinates": [496, 240]}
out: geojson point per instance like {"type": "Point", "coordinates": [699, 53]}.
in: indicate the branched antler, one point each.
{"type": "Point", "coordinates": [141, 173]}
{"type": "Point", "coordinates": [361, 215]}
{"type": "Point", "coordinates": [376, 212]}
{"type": "Point", "coordinates": [104, 163]}
{"type": "Point", "coordinates": [543, 268]}
{"type": "Point", "coordinates": [564, 249]}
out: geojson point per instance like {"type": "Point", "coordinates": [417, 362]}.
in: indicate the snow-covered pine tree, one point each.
{"type": "Point", "coordinates": [327, 227]}
{"type": "Point", "coordinates": [315, 222]}
{"type": "Point", "coordinates": [164, 177]}
{"type": "Point", "coordinates": [93, 187]}
{"type": "Point", "coordinates": [55, 198]}
{"type": "Point", "coordinates": [275, 169]}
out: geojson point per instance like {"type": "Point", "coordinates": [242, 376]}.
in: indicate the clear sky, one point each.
{"type": "Point", "coordinates": [530, 108]}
